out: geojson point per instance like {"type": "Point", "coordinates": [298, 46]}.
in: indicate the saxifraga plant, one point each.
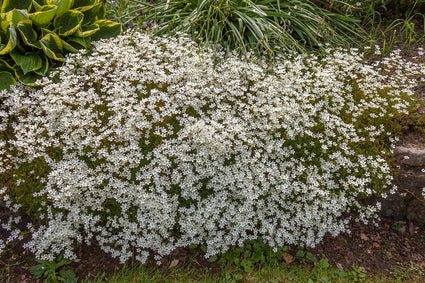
{"type": "Point", "coordinates": [261, 25]}
{"type": "Point", "coordinates": [36, 34]}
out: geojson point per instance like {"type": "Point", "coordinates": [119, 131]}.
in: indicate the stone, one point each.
{"type": "Point", "coordinates": [410, 183]}
{"type": "Point", "coordinates": [410, 155]}
{"type": "Point", "coordinates": [416, 211]}
{"type": "Point", "coordinates": [392, 207]}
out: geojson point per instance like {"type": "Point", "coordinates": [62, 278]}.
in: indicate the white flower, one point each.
{"type": "Point", "coordinates": [161, 138]}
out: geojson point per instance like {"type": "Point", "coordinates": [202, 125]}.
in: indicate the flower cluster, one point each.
{"type": "Point", "coordinates": [154, 143]}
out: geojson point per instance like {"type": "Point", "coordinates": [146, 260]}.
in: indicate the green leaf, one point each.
{"type": "Point", "coordinates": [13, 41]}
{"type": "Point", "coordinates": [9, 5]}
{"type": "Point", "coordinates": [68, 276]}
{"type": "Point", "coordinates": [90, 13]}
{"type": "Point", "coordinates": [5, 66]}
{"type": "Point", "coordinates": [79, 42]}
{"type": "Point", "coordinates": [87, 31]}
{"type": "Point", "coordinates": [107, 28]}
{"type": "Point", "coordinates": [29, 78]}
{"type": "Point", "coordinates": [62, 261]}
{"type": "Point", "coordinates": [4, 25]}
{"type": "Point", "coordinates": [86, 7]}
{"type": "Point", "coordinates": [51, 279]}
{"type": "Point", "coordinates": [300, 253]}
{"type": "Point", "coordinates": [213, 258]}
{"type": "Point", "coordinates": [44, 15]}
{"type": "Point", "coordinates": [36, 4]}
{"type": "Point", "coordinates": [37, 270]}
{"type": "Point", "coordinates": [81, 3]}
{"type": "Point", "coordinates": [63, 6]}
{"type": "Point", "coordinates": [6, 80]}
{"type": "Point", "coordinates": [69, 47]}
{"type": "Point", "coordinates": [43, 70]}
{"type": "Point", "coordinates": [28, 61]}
{"type": "Point", "coordinates": [28, 34]}
{"type": "Point", "coordinates": [102, 12]}
{"type": "Point", "coordinates": [52, 45]}
{"type": "Point", "coordinates": [16, 16]}
{"type": "Point", "coordinates": [68, 23]}
{"type": "Point", "coordinates": [45, 31]}
{"type": "Point", "coordinates": [247, 265]}
{"type": "Point", "coordinates": [311, 257]}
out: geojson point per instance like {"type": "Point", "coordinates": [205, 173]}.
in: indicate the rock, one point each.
{"type": "Point", "coordinates": [416, 211]}
{"type": "Point", "coordinates": [411, 183]}
{"type": "Point", "coordinates": [410, 155]}
{"type": "Point", "coordinates": [392, 207]}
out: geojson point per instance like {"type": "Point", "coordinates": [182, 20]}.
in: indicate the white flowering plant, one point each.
{"type": "Point", "coordinates": [148, 144]}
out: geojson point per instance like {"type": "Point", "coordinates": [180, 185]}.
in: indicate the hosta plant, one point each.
{"type": "Point", "coordinates": [36, 34]}
{"type": "Point", "coordinates": [150, 144]}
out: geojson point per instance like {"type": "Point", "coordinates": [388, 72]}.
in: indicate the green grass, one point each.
{"type": "Point", "coordinates": [267, 26]}
{"type": "Point", "coordinates": [389, 32]}
{"type": "Point", "coordinates": [263, 26]}
{"type": "Point", "coordinates": [301, 271]}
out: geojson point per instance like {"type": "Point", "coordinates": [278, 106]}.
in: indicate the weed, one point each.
{"type": "Point", "coordinates": [48, 270]}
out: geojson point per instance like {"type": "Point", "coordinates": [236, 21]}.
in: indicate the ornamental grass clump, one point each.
{"type": "Point", "coordinates": [150, 144]}
{"type": "Point", "coordinates": [265, 26]}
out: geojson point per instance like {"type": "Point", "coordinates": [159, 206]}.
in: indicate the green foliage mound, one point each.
{"type": "Point", "coordinates": [35, 35]}
{"type": "Point", "coordinates": [260, 25]}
